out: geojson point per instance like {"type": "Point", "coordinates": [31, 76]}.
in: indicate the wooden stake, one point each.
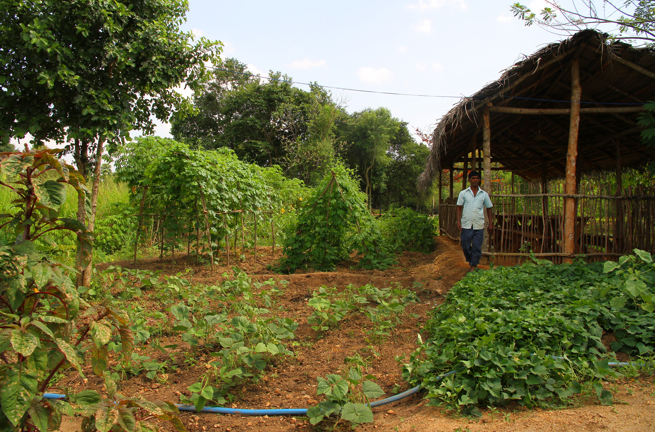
{"type": "Point", "coordinates": [227, 240]}
{"type": "Point", "coordinates": [255, 215]}
{"type": "Point", "coordinates": [571, 161]}
{"type": "Point", "coordinates": [138, 229]}
{"type": "Point", "coordinates": [273, 233]}
{"type": "Point", "coordinates": [209, 237]}
{"type": "Point", "coordinates": [486, 150]}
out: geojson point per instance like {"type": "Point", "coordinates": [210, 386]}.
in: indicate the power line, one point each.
{"type": "Point", "coordinates": [420, 95]}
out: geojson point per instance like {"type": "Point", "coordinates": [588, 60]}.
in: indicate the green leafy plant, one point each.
{"type": "Point", "coordinates": [532, 333]}
{"type": "Point", "coordinates": [333, 222]}
{"type": "Point", "coordinates": [349, 398]}
{"type": "Point", "coordinates": [406, 229]}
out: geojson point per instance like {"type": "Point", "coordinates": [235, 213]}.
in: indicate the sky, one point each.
{"type": "Point", "coordinates": [427, 47]}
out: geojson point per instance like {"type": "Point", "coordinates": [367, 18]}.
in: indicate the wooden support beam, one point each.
{"type": "Point", "coordinates": [634, 66]}
{"type": "Point", "coordinates": [572, 160]}
{"type": "Point", "coordinates": [450, 174]}
{"type": "Point", "coordinates": [562, 111]}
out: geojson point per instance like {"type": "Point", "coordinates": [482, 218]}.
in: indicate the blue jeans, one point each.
{"type": "Point", "coordinates": [472, 245]}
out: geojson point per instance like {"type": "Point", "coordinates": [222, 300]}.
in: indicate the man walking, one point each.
{"type": "Point", "coordinates": [470, 219]}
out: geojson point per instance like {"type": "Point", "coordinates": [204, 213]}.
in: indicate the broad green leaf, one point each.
{"type": "Point", "coordinates": [100, 333]}
{"type": "Point", "coordinates": [39, 416]}
{"type": "Point", "coordinates": [51, 194]}
{"type": "Point", "coordinates": [99, 359]}
{"type": "Point", "coordinates": [106, 417]}
{"type": "Point", "coordinates": [70, 353]}
{"type": "Point", "coordinates": [16, 394]}
{"type": "Point", "coordinates": [645, 256]}
{"type": "Point", "coordinates": [610, 266]}
{"type": "Point", "coordinates": [357, 413]}
{"type": "Point", "coordinates": [207, 393]}
{"type": "Point", "coordinates": [618, 302]}
{"type": "Point", "coordinates": [23, 342]}
{"type": "Point", "coordinates": [126, 419]}
{"type": "Point", "coordinates": [372, 390]}
{"type": "Point", "coordinates": [86, 398]}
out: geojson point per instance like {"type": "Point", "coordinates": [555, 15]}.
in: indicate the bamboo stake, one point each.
{"type": "Point", "coordinates": [273, 234]}
{"type": "Point", "coordinates": [255, 215]}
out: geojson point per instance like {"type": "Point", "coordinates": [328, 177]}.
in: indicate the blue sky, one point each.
{"type": "Point", "coordinates": [433, 47]}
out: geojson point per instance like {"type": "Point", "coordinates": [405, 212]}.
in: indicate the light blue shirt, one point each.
{"type": "Point", "coordinates": [473, 211]}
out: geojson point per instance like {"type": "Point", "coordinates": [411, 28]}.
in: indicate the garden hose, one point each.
{"type": "Point", "coordinates": [299, 411]}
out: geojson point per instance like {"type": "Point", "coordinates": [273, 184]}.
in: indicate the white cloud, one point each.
{"type": "Point", "coordinates": [424, 26]}
{"type": "Point", "coordinates": [373, 75]}
{"type": "Point", "coordinates": [253, 69]}
{"type": "Point", "coordinates": [421, 67]}
{"type": "Point", "coordinates": [197, 33]}
{"type": "Point", "coordinates": [504, 18]}
{"type": "Point", "coordinates": [228, 49]}
{"type": "Point", "coordinates": [437, 4]}
{"type": "Point", "coordinates": [402, 48]}
{"type": "Point", "coordinates": [436, 67]}
{"type": "Point", "coordinates": [307, 63]}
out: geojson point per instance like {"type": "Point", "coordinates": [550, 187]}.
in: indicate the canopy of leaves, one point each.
{"type": "Point", "coordinates": [255, 118]}
{"type": "Point", "coordinates": [84, 69]}
{"type": "Point", "coordinates": [333, 222]}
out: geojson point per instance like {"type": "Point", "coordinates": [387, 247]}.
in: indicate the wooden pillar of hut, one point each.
{"type": "Point", "coordinates": [486, 153]}
{"type": "Point", "coordinates": [571, 161]}
{"type": "Point", "coordinates": [465, 171]}
{"type": "Point", "coordinates": [450, 185]}
{"type": "Point", "coordinates": [544, 209]}
{"type": "Point", "coordinates": [619, 232]}
{"type": "Point", "coordinates": [440, 185]}
{"type": "Point", "coordinates": [474, 155]}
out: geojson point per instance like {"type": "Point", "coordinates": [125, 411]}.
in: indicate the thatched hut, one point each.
{"type": "Point", "coordinates": [568, 109]}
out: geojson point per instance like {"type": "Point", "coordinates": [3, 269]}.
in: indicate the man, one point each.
{"type": "Point", "coordinates": [470, 219]}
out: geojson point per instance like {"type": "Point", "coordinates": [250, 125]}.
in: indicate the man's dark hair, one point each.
{"type": "Point", "coordinates": [474, 173]}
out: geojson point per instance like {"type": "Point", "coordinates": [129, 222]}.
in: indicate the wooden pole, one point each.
{"type": "Point", "coordinates": [451, 186]}
{"type": "Point", "coordinates": [486, 151]}
{"type": "Point", "coordinates": [572, 160]}
{"type": "Point", "coordinates": [619, 233]}
{"type": "Point", "coordinates": [209, 237]}
{"type": "Point", "coordinates": [564, 111]}
{"type": "Point", "coordinates": [440, 184]}
{"type": "Point", "coordinates": [465, 171]}
{"type": "Point", "coordinates": [255, 215]}
{"type": "Point", "coordinates": [273, 231]}
{"type": "Point", "coordinates": [138, 228]}
{"type": "Point", "coordinates": [227, 240]}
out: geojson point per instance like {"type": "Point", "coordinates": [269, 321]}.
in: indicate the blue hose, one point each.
{"type": "Point", "coordinates": [267, 412]}
{"type": "Point", "coordinates": [295, 411]}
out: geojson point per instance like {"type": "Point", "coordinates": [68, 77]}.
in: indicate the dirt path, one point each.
{"type": "Point", "coordinates": [292, 383]}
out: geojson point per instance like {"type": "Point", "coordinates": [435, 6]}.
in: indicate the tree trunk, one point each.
{"type": "Point", "coordinates": [82, 161]}
{"type": "Point", "coordinates": [86, 276]}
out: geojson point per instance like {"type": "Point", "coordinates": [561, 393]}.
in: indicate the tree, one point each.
{"type": "Point", "coordinates": [369, 134]}
{"type": "Point", "coordinates": [632, 20]}
{"type": "Point", "coordinates": [239, 111]}
{"type": "Point", "coordinates": [87, 73]}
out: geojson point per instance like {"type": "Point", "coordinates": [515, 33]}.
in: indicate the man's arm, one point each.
{"type": "Point", "coordinates": [459, 217]}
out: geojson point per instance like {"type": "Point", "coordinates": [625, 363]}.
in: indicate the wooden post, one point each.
{"type": "Point", "coordinates": [450, 174]}
{"type": "Point", "coordinates": [440, 184]}
{"type": "Point", "coordinates": [544, 208]}
{"type": "Point", "coordinates": [465, 171]}
{"type": "Point", "coordinates": [273, 231]}
{"type": "Point", "coordinates": [255, 215]}
{"type": "Point", "coordinates": [571, 161]}
{"type": "Point", "coordinates": [209, 237]}
{"type": "Point", "coordinates": [619, 232]}
{"type": "Point", "coordinates": [138, 228]}
{"type": "Point", "coordinates": [486, 152]}
{"type": "Point", "coordinates": [227, 240]}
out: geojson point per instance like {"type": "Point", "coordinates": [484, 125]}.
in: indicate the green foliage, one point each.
{"type": "Point", "coordinates": [533, 333]}
{"type": "Point", "coordinates": [38, 180]}
{"type": "Point", "coordinates": [333, 222]}
{"type": "Point", "coordinates": [406, 229]}
{"type": "Point", "coordinates": [647, 121]}
{"type": "Point", "coordinates": [115, 230]}
{"type": "Point", "coordinates": [350, 397]}
{"type": "Point", "coordinates": [94, 70]}
{"type": "Point", "coordinates": [632, 20]}
{"type": "Point", "coordinates": [45, 326]}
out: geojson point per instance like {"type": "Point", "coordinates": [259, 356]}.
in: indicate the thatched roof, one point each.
{"type": "Point", "coordinates": [611, 75]}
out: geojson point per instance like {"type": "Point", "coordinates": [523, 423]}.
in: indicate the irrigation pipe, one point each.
{"type": "Point", "coordinates": [298, 411]}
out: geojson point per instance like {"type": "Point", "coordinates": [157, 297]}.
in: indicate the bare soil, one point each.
{"type": "Point", "coordinates": [291, 383]}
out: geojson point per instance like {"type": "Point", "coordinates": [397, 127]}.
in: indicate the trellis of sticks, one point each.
{"type": "Point", "coordinates": [158, 227]}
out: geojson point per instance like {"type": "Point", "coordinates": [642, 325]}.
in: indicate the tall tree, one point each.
{"type": "Point", "coordinates": [247, 114]}
{"type": "Point", "coordinates": [88, 72]}
{"type": "Point", "coordinates": [632, 20]}
{"type": "Point", "coordinates": [369, 134]}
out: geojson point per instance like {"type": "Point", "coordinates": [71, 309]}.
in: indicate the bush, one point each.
{"type": "Point", "coordinates": [115, 231]}
{"type": "Point", "coordinates": [405, 229]}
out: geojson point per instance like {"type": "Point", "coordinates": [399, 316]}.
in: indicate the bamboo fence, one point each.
{"type": "Point", "coordinates": [529, 219]}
